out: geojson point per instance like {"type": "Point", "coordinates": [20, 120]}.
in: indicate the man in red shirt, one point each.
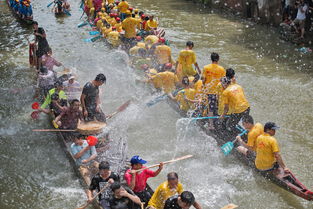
{"type": "Point", "coordinates": [137, 181]}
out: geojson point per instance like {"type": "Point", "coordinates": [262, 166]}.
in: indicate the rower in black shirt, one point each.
{"type": "Point", "coordinates": [101, 180]}
{"type": "Point", "coordinates": [43, 46]}
{"type": "Point", "coordinates": [183, 201]}
{"type": "Point", "coordinates": [123, 198]}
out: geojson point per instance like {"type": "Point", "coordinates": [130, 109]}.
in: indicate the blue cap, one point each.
{"type": "Point", "coordinates": [136, 159]}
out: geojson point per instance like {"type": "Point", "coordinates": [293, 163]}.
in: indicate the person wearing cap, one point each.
{"type": "Point", "coordinates": [118, 25]}
{"type": "Point", "coordinates": [104, 178]}
{"type": "Point", "coordinates": [182, 201]}
{"type": "Point", "coordinates": [106, 30]}
{"type": "Point", "coordinates": [162, 54]}
{"type": "Point", "coordinates": [72, 88]}
{"type": "Point", "coordinates": [84, 155]}
{"type": "Point", "coordinates": [212, 74]}
{"type": "Point", "coordinates": [254, 131]}
{"type": "Point", "coordinates": [58, 90]}
{"type": "Point", "coordinates": [123, 7]}
{"type": "Point", "coordinates": [267, 150]}
{"type": "Point", "coordinates": [137, 181]}
{"type": "Point", "coordinates": [56, 105]}
{"type": "Point", "coordinates": [151, 39]}
{"type": "Point", "coordinates": [114, 38]}
{"type": "Point", "coordinates": [185, 97]}
{"type": "Point", "coordinates": [235, 102]}
{"type": "Point", "coordinates": [186, 59]}
{"type": "Point", "coordinates": [165, 190]}
{"type": "Point", "coordinates": [70, 116]}
{"type": "Point", "coordinates": [90, 99]}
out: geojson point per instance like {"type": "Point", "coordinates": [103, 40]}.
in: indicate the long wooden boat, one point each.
{"type": "Point", "coordinates": [287, 181]}
{"type": "Point", "coordinates": [26, 20]}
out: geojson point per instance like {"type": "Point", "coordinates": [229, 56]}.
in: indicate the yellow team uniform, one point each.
{"type": "Point", "coordinates": [212, 74]}
{"type": "Point", "coordinates": [111, 21]}
{"type": "Point", "coordinates": [253, 134]}
{"type": "Point", "coordinates": [151, 24]}
{"type": "Point", "coordinates": [165, 80]}
{"type": "Point", "coordinates": [106, 31]}
{"type": "Point", "coordinates": [111, 1]}
{"type": "Point", "coordinates": [219, 89]}
{"type": "Point", "coordinates": [163, 54]}
{"type": "Point", "coordinates": [151, 39]}
{"type": "Point", "coordinates": [114, 38]}
{"type": "Point", "coordinates": [162, 193]}
{"type": "Point", "coordinates": [187, 58]}
{"type": "Point", "coordinates": [183, 103]}
{"type": "Point", "coordinates": [123, 6]}
{"type": "Point", "coordinates": [266, 146]}
{"type": "Point", "coordinates": [134, 50]}
{"type": "Point", "coordinates": [99, 24]}
{"type": "Point", "coordinates": [234, 96]}
{"type": "Point", "coordinates": [89, 3]}
{"type": "Point", "coordinates": [118, 27]}
{"type": "Point", "coordinates": [129, 25]}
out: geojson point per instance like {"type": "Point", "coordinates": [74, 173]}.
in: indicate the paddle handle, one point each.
{"type": "Point", "coordinates": [164, 163]}
{"type": "Point", "coordinates": [94, 197]}
{"type": "Point", "coordinates": [210, 117]}
{"type": "Point", "coordinates": [53, 130]}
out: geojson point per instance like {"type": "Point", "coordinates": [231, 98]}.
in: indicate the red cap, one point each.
{"type": "Point", "coordinates": [118, 19]}
{"type": "Point", "coordinates": [113, 28]}
{"type": "Point", "coordinates": [111, 15]}
{"type": "Point", "coordinates": [138, 38]}
{"type": "Point", "coordinates": [168, 66]}
{"type": "Point", "coordinates": [162, 40]}
{"type": "Point", "coordinates": [35, 105]}
{"type": "Point", "coordinates": [143, 16]}
{"type": "Point", "coordinates": [130, 8]}
{"type": "Point", "coordinates": [92, 140]}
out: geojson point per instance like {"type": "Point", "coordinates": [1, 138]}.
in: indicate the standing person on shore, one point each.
{"type": "Point", "coordinates": [104, 178]}
{"type": "Point", "coordinates": [42, 43]}
{"type": "Point", "coordinates": [137, 181]}
{"type": "Point", "coordinates": [90, 99]}
{"type": "Point", "coordinates": [187, 58]}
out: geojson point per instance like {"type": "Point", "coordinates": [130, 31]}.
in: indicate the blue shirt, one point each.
{"type": "Point", "coordinates": [77, 148]}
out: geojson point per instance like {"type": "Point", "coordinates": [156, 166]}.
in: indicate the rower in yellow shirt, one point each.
{"type": "Point", "coordinates": [123, 7]}
{"type": "Point", "coordinates": [212, 74]}
{"type": "Point", "coordinates": [118, 25]}
{"type": "Point", "coordinates": [151, 39]}
{"type": "Point", "coordinates": [186, 59]}
{"type": "Point", "coordinates": [165, 190]}
{"type": "Point", "coordinates": [268, 158]}
{"type": "Point", "coordinates": [162, 54]}
{"type": "Point", "coordinates": [254, 131]}
{"type": "Point", "coordinates": [129, 25]}
{"type": "Point", "coordinates": [165, 81]}
{"type": "Point", "coordinates": [134, 50]}
{"type": "Point", "coordinates": [113, 38]}
{"type": "Point", "coordinates": [234, 101]}
{"type": "Point", "coordinates": [151, 24]}
{"type": "Point", "coordinates": [185, 97]}
{"type": "Point", "coordinates": [106, 30]}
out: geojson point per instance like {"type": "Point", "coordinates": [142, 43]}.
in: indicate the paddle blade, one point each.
{"type": "Point", "coordinates": [227, 148]}
{"type": "Point", "coordinates": [50, 4]}
{"type": "Point", "coordinates": [35, 115]}
{"type": "Point", "coordinates": [88, 40]}
{"type": "Point", "coordinates": [66, 12]}
{"type": "Point", "coordinates": [230, 206]}
{"type": "Point", "coordinates": [123, 106]}
{"type": "Point", "coordinates": [82, 24]}
{"type": "Point", "coordinates": [35, 106]}
{"type": "Point", "coordinates": [95, 32]}
{"type": "Point", "coordinates": [157, 100]}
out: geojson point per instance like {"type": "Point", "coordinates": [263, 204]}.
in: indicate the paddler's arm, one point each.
{"type": "Point", "coordinates": [198, 69]}
{"type": "Point", "coordinates": [98, 103]}
{"type": "Point", "coordinates": [93, 155]}
{"type": "Point", "coordinates": [81, 152]}
{"type": "Point", "coordinates": [133, 198]}
{"type": "Point", "coordinates": [176, 65]}
{"type": "Point", "coordinates": [226, 109]}
{"type": "Point", "coordinates": [244, 143]}
{"type": "Point", "coordinates": [47, 101]}
{"type": "Point", "coordinates": [57, 119]}
{"type": "Point", "coordinates": [133, 180]}
{"type": "Point", "coordinates": [89, 195]}
{"type": "Point", "coordinates": [197, 205]}
{"type": "Point", "coordinates": [157, 172]}
{"type": "Point", "coordinates": [82, 101]}
{"type": "Point", "coordinates": [281, 162]}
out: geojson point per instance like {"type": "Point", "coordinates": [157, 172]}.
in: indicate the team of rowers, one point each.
{"type": "Point", "coordinates": [211, 92]}
{"type": "Point", "coordinates": [22, 8]}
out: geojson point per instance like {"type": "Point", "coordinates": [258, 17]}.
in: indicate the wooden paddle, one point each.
{"type": "Point", "coordinates": [94, 197]}
{"type": "Point", "coordinates": [230, 206]}
{"type": "Point", "coordinates": [120, 109]}
{"type": "Point", "coordinates": [164, 163]}
{"type": "Point", "coordinates": [53, 130]}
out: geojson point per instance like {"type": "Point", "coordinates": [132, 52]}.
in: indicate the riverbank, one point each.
{"type": "Point", "coordinates": [262, 12]}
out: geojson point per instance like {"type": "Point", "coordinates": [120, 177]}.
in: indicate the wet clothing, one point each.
{"type": "Point", "coordinates": [141, 179]}
{"type": "Point", "coordinates": [171, 203]}
{"type": "Point", "coordinates": [48, 97]}
{"type": "Point", "coordinates": [234, 96]}
{"type": "Point", "coordinates": [45, 82]}
{"type": "Point", "coordinates": [187, 58]}
{"type": "Point", "coordinates": [266, 146]}
{"type": "Point", "coordinates": [92, 92]}
{"type": "Point", "coordinates": [129, 25]}
{"type": "Point", "coordinates": [163, 54]}
{"type": "Point", "coordinates": [49, 62]}
{"type": "Point", "coordinates": [97, 183]}
{"type": "Point", "coordinates": [122, 203]}
{"type": "Point", "coordinates": [253, 134]}
{"type": "Point", "coordinates": [212, 74]}
{"type": "Point", "coordinates": [77, 148]}
{"type": "Point", "coordinates": [72, 90]}
{"type": "Point", "coordinates": [183, 103]}
{"type": "Point", "coordinates": [43, 46]}
{"type": "Point", "coordinates": [70, 117]}
{"type": "Point", "coordinates": [162, 193]}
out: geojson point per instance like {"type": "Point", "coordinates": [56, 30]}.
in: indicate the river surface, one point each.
{"type": "Point", "coordinates": [35, 172]}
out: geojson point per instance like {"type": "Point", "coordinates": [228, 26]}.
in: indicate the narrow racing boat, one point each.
{"type": "Point", "coordinates": [25, 20]}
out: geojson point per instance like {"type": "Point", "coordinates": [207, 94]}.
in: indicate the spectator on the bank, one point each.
{"type": "Point", "coordinates": [301, 15]}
